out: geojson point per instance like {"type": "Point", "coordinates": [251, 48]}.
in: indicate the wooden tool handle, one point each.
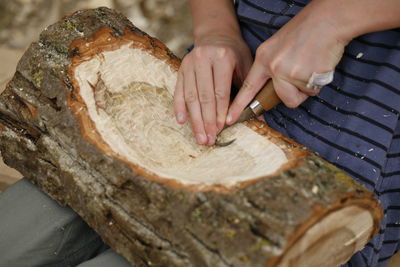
{"type": "Point", "coordinates": [267, 96]}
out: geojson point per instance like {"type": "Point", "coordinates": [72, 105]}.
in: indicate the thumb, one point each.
{"type": "Point", "coordinates": [256, 78]}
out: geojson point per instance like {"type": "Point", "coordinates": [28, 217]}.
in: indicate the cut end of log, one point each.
{"type": "Point", "coordinates": [332, 240]}
{"type": "Point", "coordinates": [125, 88]}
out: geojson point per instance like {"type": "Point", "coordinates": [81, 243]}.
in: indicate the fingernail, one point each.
{"type": "Point", "coordinates": [228, 119]}
{"type": "Point", "coordinates": [211, 139]}
{"type": "Point", "coordinates": [201, 139]}
{"type": "Point", "coordinates": [179, 117]}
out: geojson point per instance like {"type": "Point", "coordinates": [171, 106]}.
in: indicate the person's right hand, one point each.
{"type": "Point", "coordinates": [204, 83]}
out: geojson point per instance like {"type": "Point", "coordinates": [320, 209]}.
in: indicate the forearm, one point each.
{"type": "Point", "coordinates": [353, 18]}
{"type": "Point", "coordinates": [213, 17]}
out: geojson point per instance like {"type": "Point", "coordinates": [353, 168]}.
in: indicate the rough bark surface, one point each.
{"type": "Point", "coordinates": [148, 221]}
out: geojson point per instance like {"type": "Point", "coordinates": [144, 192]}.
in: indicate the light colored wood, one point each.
{"type": "Point", "coordinates": [136, 120]}
{"type": "Point", "coordinates": [320, 246]}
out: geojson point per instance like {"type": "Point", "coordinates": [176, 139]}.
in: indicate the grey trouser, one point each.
{"type": "Point", "coordinates": [36, 231]}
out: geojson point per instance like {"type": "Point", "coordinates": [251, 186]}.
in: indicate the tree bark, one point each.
{"type": "Point", "coordinates": [87, 118]}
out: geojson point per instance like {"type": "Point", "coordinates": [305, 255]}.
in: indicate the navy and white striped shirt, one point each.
{"type": "Point", "coordinates": [353, 122]}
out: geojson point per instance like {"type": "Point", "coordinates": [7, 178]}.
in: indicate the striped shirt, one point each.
{"type": "Point", "coordinates": [353, 122]}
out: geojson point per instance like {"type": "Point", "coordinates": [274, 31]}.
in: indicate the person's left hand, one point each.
{"type": "Point", "coordinates": [306, 44]}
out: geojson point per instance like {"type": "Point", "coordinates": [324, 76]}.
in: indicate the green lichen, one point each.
{"type": "Point", "coordinates": [69, 25]}
{"type": "Point", "coordinates": [48, 183]}
{"type": "Point", "coordinates": [37, 78]}
{"type": "Point", "coordinates": [344, 179]}
{"type": "Point", "coordinates": [259, 244]}
{"type": "Point", "coordinates": [196, 215]}
{"type": "Point", "coordinates": [180, 196]}
{"type": "Point", "coordinates": [244, 258]}
{"type": "Point", "coordinates": [196, 212]}
{"type": "Point", "coordinates": [230, 234]}
{"type": "Point", "coordinates": [61, 48]}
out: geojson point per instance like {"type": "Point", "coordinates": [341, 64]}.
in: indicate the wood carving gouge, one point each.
{"type": "Point", "coordinates": [265, 100]}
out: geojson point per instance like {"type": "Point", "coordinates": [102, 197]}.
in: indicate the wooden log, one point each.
{"type": "Point", "coordinates": [88, 117]}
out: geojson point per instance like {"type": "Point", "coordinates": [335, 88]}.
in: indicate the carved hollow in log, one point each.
{"type": "Point", "coordinates": [131, 113]}
{"type": "Point", "coordinates": [88, 117]}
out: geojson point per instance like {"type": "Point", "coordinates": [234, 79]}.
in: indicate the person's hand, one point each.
{"type": "Point", "coordinates": [204, 83]}
{"type": "Point", "coordinates": [308, 43]}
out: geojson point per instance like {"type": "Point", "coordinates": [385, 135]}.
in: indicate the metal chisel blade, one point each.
{"type": "Point", "coordinates": [244, 116]}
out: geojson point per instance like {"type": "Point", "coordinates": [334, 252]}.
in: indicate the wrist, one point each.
{"type": "Point", "coordinates": [328, 20]}
{"type": "Point", "coordinates": [346, 23]}
{"type": "Point", "coordinates": [213, 34]}
{"type": "Point", "coordinates": [352, 18]}
{"type": "Point", "coordinates": [214, 18]}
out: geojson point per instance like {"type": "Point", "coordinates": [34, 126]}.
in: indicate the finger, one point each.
{"type": "Point", "coordinates": [290, 95]}
{"type": "Point", "coordinates": [179, 100]}
{"type": "Point", "coordinates": [222, 72]}
{"type": "Point", "coordinates": [255, 80]}
{"type": "Point", "coordinates": [205, 89]}
{"type": "Point", "coordinates": [193, 106]}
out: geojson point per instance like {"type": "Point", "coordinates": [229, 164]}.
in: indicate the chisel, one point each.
{"type": "Point", "coordinates": [265, 100]}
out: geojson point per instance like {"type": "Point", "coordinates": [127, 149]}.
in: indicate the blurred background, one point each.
{"type": "Point", "coordinates": [21, 22]}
